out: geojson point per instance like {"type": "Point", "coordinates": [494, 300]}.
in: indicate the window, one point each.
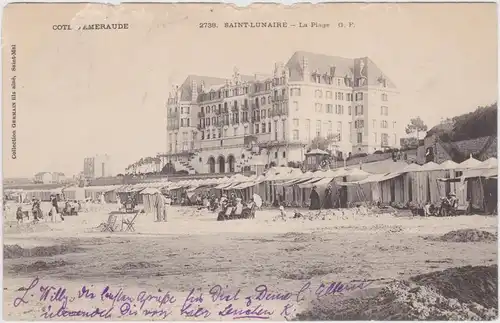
{"type": "Point", "coordinates": [330, 128]}
{"type": "Point", "coordinates": [325, 126]}
{"type": "Point", "coordinates": [328, 94]}
{"type": "Point", "coordinates": [329, 108]}
{"type": "Point", "coordinates": [269, 126]}
{"type": "Point", "coordinates": [295, 134]}
{"type": "Point", "coordinates": [349, 97]}
{"type": "Point", "coordinates": [374, 123]}
{"type": "Point", "coordinates": [318, 128]}
{"type": "Point", "coordinates": [358, 110]}
{"type": "Point", "coordinates": [257, 128]}
{"type": "Point", "coordinates": [360, 137]}
{"type": "Point", "coordinates": [295, 92]}
{"type": "Point", "coordinates": [358, 124]}
{"type": "Point", "coordinates": [263, 114]}
{"type": "Point", "coordinates": [296, 123]}
{"type": "Point", "coordinates": [375, 137]}
{"type": "Point", "coordinates": [384, 97]}
{"type": "Point", "coordinates": [384, 139]}
{"type": "Point", "coordinates": [264, 127]}
{"type": "Point", "coordinates": [359, 96]}
{"type": "Point", "coordinates": [214, 120]}
{"type": "Point", "coordinates": [208, 134]}
{"type": "Point", "coordinates": [383, 124]}
{"type": "Point", "coordinates": [275, 130]}
{"type": "Point", "coordinates": [395, 137]}
{"type": "Point", "coordinates": [283, 129]}
{"type": "Point", "coordinates": [393, 124]}
{"type": "Point", "coordinates": [350, 131]}
{"type": "Point", "coordinates": [339, 130]}
{"type": "Point", "coordinates": [339, 96]}
{"type": "Point", "coordinates": [384, 111]}
{"type": "Point", "coordinates": [284, 154]}
{"type": "Point", "coordinates": [339, 81]}
{"type": "Point", "coordinates": [349, 110]}
{"type": "Point", "coordinates": [339, 109]}
{"type": "Point", "coordinates": [263, 101]}
{"type": "Point", "coordinates": [318, 94]}
{"type": "Point", "coordinates": [318, 107]}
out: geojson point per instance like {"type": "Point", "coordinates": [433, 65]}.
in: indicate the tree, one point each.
{"type": "Point", "coordinates": [416, 126]}
{"type": "Point", "coordinates": [324, 143]}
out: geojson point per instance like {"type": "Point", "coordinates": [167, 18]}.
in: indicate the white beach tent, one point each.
{"type": "Point", "coordinates": [491, 162]}
{"type": "Point", "coordinates": [430, 166]}
{"type": "Point", "coordinates": [448, 165]}
{"type": "Point", "coordinates": [470, 163]}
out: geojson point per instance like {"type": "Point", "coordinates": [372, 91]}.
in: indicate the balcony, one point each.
{"type": "Point", "coordinates": [279, 98]}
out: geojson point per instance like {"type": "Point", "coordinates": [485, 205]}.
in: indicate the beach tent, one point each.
{"type": "Point", "coordinates": [470, 163]}
{"type": "Point", "coordinates": [74, 193]}
{"type": "Point", "coordinates": [490, 163]}
{"type": "Point", "coordinates": [149, 198]}
{"type": "Point", "coordinates": [449, 164]}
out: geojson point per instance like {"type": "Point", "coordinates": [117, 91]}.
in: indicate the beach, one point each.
{"type": "Point", "coordinates": [207, 270]}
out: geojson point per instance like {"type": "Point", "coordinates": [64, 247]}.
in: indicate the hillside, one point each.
{"type": "Point", "coordinates": [480, 123]}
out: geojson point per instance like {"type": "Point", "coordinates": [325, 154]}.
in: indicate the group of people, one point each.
{"type": "Point", "coordinates": [37, 212]}
{"type": "Point", "coordinates": [316, 202]}
{"type": "Point", "coordinates": [234, 208]}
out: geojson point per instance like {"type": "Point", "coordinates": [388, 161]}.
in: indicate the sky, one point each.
{"type": "Point", "coordinates": [82, 93]}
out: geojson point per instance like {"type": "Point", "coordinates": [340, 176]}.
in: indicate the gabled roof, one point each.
{"type": "Point", "coordinates": [211, 83]}
{"type": "Point", "coordinates": [344, 67]}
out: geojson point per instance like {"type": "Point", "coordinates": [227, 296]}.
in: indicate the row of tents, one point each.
{"type": "Point", "coordinates": [471, 180]}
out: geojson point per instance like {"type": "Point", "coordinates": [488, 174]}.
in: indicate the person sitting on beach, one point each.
{"type": "Point", "coordinates": [238, 208]}
{"type": "Point", "coordinates": [282, 214]}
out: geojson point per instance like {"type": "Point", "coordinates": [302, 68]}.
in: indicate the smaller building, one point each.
{"type": "Point", "coordinates": [43, 178]}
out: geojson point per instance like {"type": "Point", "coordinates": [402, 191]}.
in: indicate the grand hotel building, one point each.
{"type": "Point", "coordinates": [217, 125]}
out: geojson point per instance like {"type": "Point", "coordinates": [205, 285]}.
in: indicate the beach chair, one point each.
{"type": "Point", "coordinates": [111, 224]}
{"type": "Point", "coordinates": [130, 223]}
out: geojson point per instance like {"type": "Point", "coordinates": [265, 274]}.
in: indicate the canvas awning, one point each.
{"type": "Point", "coordinates": [321, 182]}
{"type": "Point", "coordinates": [242, 186]}
{"type": "Point", "coordinates": [487, 173]}
{"type": "Point", "coordinates": [223, 186]}
{"type": "Point", "coordinates": [310, 183]}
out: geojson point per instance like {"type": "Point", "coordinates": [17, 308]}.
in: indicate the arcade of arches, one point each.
{"type": "Point", "coordinates": [219, 165]}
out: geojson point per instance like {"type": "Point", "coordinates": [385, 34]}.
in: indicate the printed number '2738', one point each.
{"type": "Point", "coordinates": [208, 25]}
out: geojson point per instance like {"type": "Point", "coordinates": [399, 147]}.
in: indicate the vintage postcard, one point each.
{"type": "Point", "coordinates": [213, 162]}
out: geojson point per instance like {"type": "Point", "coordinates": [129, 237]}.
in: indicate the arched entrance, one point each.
{"type": "Point", "coordinates": [211, 165]}
{"type": "Point", "coordinates": [230, 162]}
{"type": "Point", "coordinates": [222, 164]}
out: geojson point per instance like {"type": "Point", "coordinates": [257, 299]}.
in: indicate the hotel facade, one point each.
{"type": "Point", "coordinates": [217, 125]}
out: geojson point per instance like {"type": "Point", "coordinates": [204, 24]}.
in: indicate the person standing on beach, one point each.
{"type": "Point", "coordinates": [159, 207]}
{"type": "Point", "coordinates": [328, 198]}
{"type": "Point", "coordinates": [314, 199]}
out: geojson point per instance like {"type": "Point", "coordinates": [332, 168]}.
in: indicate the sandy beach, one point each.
{"type": "Point", "coordinates": [279, 267]}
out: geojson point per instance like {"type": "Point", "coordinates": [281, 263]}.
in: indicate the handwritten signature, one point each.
{"type": "Point", "coordinates": [261, 303]}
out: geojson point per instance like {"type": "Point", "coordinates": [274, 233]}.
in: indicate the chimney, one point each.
{"type": "Point", "coordinates": [194, 91]}
{"type": "Point", "coordinates": [305, 69]}
{"type": "Point", "coordinates": [332, 70]}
